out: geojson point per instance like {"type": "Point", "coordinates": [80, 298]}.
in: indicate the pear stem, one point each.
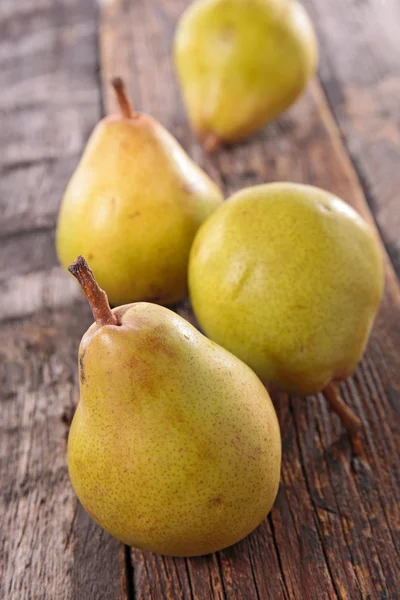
{"type": "Point", "coordinates": [211, 142]}
{"type": "Point", "coordinates": [96, 296]}
{"type": "Point", "coordinates": [125, 104]}
{"type": "Point", "coordinates": [351, 422]}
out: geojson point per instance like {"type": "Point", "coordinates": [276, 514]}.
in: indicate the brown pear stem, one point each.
{"type": "Point", "coordinates": [351, 422]}
{"type": "Point", "coordinates": [211, 142]}
{"type": "Point", "coordinates": [125, 104]}
{"type": "Point", "coordinates": [96, 296]}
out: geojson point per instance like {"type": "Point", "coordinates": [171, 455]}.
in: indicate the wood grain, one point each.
{"type": "Point", "coordinates": [335, 529]}
{"type": "Point", "coordinates": [50, 100]}
{"type": "Point", "coordinates": [360, 73]}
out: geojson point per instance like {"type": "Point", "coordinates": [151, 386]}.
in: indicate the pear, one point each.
{"type": "Point", "coordinates": [289, 278]}
{"type": "Point", "coordinates": [133, 207]}
{"type": "Point", "coordinates": [241, 63]}
{"type": "Point", "coordinates": [175, 445]}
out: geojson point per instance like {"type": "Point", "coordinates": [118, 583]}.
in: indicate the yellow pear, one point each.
{"type": "Point", "coordinates": [289, 278]}
{"type": "Point", "coordinates": [241, 63]}
{"type": "Point", "coordinates": [133, 207]}
{"type": "Point", "coordinates": [175, 445]}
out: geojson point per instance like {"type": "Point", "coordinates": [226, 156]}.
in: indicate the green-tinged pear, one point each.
{"type": "Point", "coordinates": [175, 445]}
{"type": "Point", "coordinates": [241, 63]}
{"type": "Point", "coordinates": [133, 207]}
{"type": "Point", "coordinates": [289, 278]}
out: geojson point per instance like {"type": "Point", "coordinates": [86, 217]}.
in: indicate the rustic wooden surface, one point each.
{"type": "Point", "coordinates": [335, 529]}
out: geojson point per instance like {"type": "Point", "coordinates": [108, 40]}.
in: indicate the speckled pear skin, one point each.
{"type": "Point", "coordinates": [175, 445]}
{"type": "Point", "coordinates": [132, 208]}
{"type": "Point", "coordinates": [241, 63]}
{"type": "Point", "coordinates": [289, 278]}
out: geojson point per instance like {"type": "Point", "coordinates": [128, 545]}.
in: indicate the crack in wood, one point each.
{"type": "Point", "coordinates": [280, 563]}
{"type": "Point", "coordinates": [192, 596]}
{"type": "Point", "coordinates": [71, 529]}
{"type": "Point", "coordinates": [311, 495]}
{"type": "Point", "coordinates": [129, 578]}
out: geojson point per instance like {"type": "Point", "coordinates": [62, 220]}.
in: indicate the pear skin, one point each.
{"type": "Point", "coordinates": [288, 278]}
{"type": "Point", "coordinates": [241, 63]}
{"type": "Point", "coordinates": [133, 207]}
{"type": "Point", "coordinates": [175, 445]}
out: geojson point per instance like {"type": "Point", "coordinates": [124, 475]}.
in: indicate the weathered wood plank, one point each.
{"type": "Point", "coordinates": [49, 548]}
{"type": "Point", "coordinates": [334, 531]}
{"type": "Point", "coordinates": [48, 105]}
{"type": "Point", "coordinates": [360, 72]}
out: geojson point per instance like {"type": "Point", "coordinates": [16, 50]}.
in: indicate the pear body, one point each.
{"type": "Point", "coordinates": [175, 445]}
{"type": "Point", "coordinates": [132, 208]}
{"type": "Point", "coordinates": [289, 278]}
{"type": "Point", "coordinates": [242, 62]}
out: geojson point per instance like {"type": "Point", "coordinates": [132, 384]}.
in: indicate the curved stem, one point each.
{"type": "Point", "coordinates": [351, 422]}
{"type": "Point", "coordinates": [96, 296]}
{"type": "Point", "coordinates": [125, 104]}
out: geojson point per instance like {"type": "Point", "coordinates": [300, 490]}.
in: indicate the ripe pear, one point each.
{"type": "Point", "coordinates": [133, 207]}
{"type": "Point", "coordinates": [241, 63]}
{"type": "Point", "coordinates": [289, 278]}
{"type": "Point", "coordinates": [175, 445]}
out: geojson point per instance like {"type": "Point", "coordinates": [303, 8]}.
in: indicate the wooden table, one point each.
{"type": "Point", "coordinates": [335, 529]}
